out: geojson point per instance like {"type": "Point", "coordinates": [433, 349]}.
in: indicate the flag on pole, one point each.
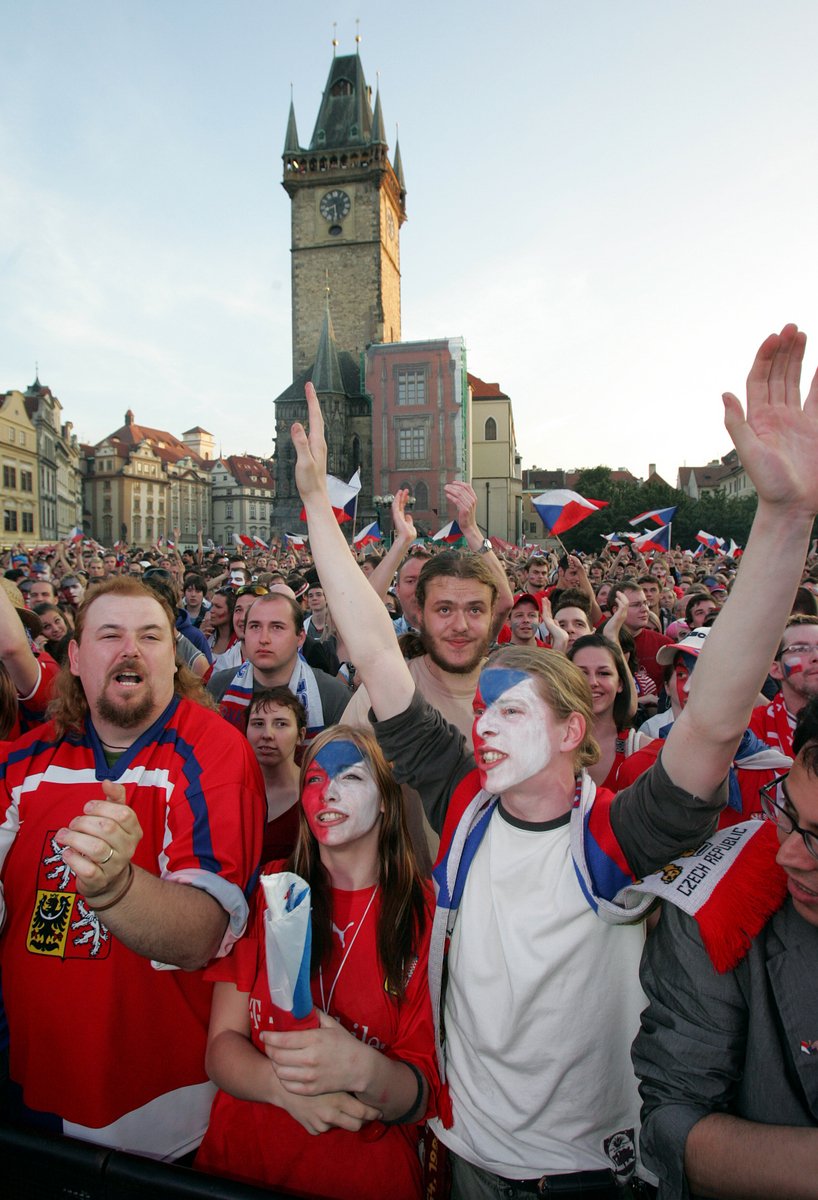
{"type": "Point", "coordinates": [76, 535]}
{"type": "Point", "coordinates": [260, 542]}
{"type": "Point", "coordinates": [370, 533]}
{"type": "Point", "coordinates": [660, 516]}
{"type": "Point", "coordinates": [653, 539]}
{"type": "Point", "coordinates": [561, 509]}
{"type": "Point", "coordinates": [709, 539]}
{"type": "Point", "coordinates": [449, 533]}
{"type": "Point", "coordinates": [734, 551]}
{"type": "Point", "coordinates": [241, 539]}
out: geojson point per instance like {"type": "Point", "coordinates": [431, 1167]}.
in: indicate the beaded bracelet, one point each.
{"type": "Point", "coordinates": [102, 907]}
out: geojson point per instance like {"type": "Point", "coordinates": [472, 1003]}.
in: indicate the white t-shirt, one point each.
{"type": "Point", "coordinates": [542, 1005]}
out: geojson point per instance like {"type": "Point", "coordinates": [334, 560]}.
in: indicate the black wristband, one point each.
{"type": "Point", "coordinates": [410, 1112]}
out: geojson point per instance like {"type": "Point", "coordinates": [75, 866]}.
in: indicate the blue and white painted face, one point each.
{"type": "Point", "coordinates": [513, 731]}
{"type": "Point", "coordinates": [340, 796]}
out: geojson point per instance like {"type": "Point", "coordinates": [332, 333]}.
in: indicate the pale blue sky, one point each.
{"type": "Point", "coordinates": [612, 201]}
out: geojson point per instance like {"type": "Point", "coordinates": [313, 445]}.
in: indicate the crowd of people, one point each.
{"type": "Point", "coordinates": [555, 816]}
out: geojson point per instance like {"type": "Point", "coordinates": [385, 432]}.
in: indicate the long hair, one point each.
{"type": "Point", "coordinates": [402, 913]}
{"type": "Point", "coordinates": [69, 707]}
{"type": "Point", "coordinates": [622, 701]}
{"type": "Point", "coordinates": [9, 705]}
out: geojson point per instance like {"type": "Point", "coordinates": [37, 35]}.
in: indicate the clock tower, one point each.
{"type": "Point", "coordinates": [348, 204]}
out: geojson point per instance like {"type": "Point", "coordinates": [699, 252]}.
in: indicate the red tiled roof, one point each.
{"type": "Point", "coordinates": [166, 445]}
{"type": "Point", "coordinates": [249, 471]}
{"type": "Point", "coordinates": [481, 389]}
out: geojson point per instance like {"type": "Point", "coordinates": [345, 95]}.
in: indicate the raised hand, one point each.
{"type": "Point", "coordinates": [463, 496]}
{"type": "Point", "coordinates": [311, 449]}
{"type": "Point", "coordinates": [99, 844]}
{"type": "Point", "coordinates": [777, 440]}
{"type": "Point", "coordinates": [402, 523]}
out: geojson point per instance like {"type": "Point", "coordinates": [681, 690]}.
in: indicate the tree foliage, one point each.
{"type": "Point", "coordinates": [726, 517]}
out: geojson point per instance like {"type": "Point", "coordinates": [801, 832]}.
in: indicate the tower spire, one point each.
{"type": "Point", "coordinates": [326, 372]}
{"type": "Point", "coordinates": [291, 144]}
{"type": "Point", "coordinates": [378, 134]}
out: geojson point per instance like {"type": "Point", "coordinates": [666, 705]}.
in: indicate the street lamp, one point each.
{"type": "Point", "coordinates": [385, 501]}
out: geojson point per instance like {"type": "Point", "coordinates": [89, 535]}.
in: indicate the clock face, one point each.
{"type": "Point", "coordinates": [335, 205]}
{"type": "Point", "coordinates": [390, 224]}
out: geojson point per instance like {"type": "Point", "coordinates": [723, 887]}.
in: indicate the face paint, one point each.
{"type": "Point", "coordinates": [340, 796]}
{"type": "Point", "coordinates": [513, 729]}
{"type": "Point", "coordinates": [792, 668]}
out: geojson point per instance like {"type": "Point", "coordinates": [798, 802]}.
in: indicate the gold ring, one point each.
{"type": "Point", "coordinates": [108, 857]}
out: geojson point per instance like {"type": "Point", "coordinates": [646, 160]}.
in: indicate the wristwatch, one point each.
{"type": "Point", "coordinates": [484, 547]}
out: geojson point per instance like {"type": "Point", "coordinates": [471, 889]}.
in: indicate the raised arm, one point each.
{"type": "Point", "coordinates": [404, 533]}
{"type": "Point", "coordinates": [361, 617]}
{"type": "Point", "coordinates": [15, 653]}
{"type": "Point", "coordinates": [777, 443]}
{"type": "Point", "coordinates": [464, 498]}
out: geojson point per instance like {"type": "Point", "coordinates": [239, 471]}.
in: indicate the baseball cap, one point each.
{"type": "Point", "coordinates": [691, 643]}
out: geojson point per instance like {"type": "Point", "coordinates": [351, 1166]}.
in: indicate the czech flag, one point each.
{"type": "Point", "coordinates": [449, 533]}
{"type": "Point", "coordinates": [653, 539]}
{"type": "Point", "coordinates": [76, 535]}
{"type": "Point", "coordinates": [296, 540]}
{"type": "Point", "coordinates": [560, 510]}
{"type": "Point", "coordinates": [619, 539]}
{"type": "Point", "coordinates": [342, 496]}
{"type": "Point", "coordinates": [241, 539]}
{"type": "Point", "coordinates": [709, 539]}
{"type": "Point", "coordinates": [287, 947]}
{"type": "Point", "coordinates": [370, 533]}
{"type": "Point", "coordinates": [660, 516]}
{"type": "Point", "coordinates": [733, 550]}
{"type": "Point", "coordinates": [260, 542]}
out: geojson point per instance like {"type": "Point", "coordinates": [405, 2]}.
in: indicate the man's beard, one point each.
{"type": "Point", "coordinates": [123, 714]}
{"type": "Point", "coordinates": [459, 668]}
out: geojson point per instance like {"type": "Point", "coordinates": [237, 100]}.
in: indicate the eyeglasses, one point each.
{"type": "Point", "coordinates": [779, 814]}
{"type": "Point", "coordinates": [799, 650]}
{"type": "Point", "coordinates": [253, 589]}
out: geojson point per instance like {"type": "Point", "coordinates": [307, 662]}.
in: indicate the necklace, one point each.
{"type": "Point", "coordinates": [326, 1005]}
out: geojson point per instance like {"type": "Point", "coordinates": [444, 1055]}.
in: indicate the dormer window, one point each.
{"type": "Point", "coordinates": [341, 87]}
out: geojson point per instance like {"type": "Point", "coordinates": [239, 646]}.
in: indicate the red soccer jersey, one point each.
{"type": "Point", "coordinates": [264, 1144]}
{"type": "Point", "coordinates": [77, 998]}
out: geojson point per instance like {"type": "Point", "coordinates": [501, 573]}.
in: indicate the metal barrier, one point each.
{"type": "Point", "coordinates": [41, 1166]}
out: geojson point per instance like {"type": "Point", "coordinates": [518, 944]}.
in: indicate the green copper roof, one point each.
{"type": "Point", "coordinates": [378, 134]}
{"type": "Point", "coordinates": [345, 115]}
{"type": "Point", "coordinates": [291, 145]}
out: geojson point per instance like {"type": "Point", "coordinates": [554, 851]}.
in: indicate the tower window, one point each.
{"type": "Point", "coordinates": [491, 430]}
{"type": "Point", "coordinates": [341, 87]}
{"type": "Point", "coordinates": [410, 385]}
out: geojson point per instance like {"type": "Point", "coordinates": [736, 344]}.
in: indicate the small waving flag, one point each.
{"type": "Point", "coordinates": [370, 533]}
{"type": "Point", "coordinates": [734, 550]}
{"type": "Point", "coordinates": [659, 516]}
{"type": "Point", "coordinates": [76, 535]}
{"type": "Point", "coordinates": [288, 946]}
{"type": "Point", "coordinates": [260, 542]}
{"type": "Point", "coordinates": [709, 539]}
{"type": "Point", "coordinates": [449, 533]}
{"type": "Point", "coordinates": [619, 539]}
{"type": "Point", "coordinates": [653, 539]}
{"type": "Point", "coordinates": [296, 540]}
{"type": "Point", "coordinates": [241, 539]}
{"type": "Point", "coordinates": [561, 509]}
{"type": "Point", "coordinates": [342, 496]}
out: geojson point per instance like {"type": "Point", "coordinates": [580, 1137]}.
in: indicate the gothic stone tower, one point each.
{"type": "Point", "coordinates": [348, 204]}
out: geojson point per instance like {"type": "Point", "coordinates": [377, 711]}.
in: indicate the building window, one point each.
{"type": "Point", "coordinates": [9, 477]}
{"type": "Point", "coordinates": [28, 522]}
{"type": "Point", "coordinates": [421, 493]}
{"type": "Point", "coordinates": [252, 511]}
{"type": "Point", "coordinates": [26, 481]}
{"type": "Point", "coordinates": [411, 385]}
{"type": "Point", "coordinates": [491, 430]}
{"type": "Point", "coordinates": [228, 510]}
{"type": "Point", "coordinates": [9, 520]}
{"type": "Point", "coordinates": [412, 443]}
{"type": "Point", "coordinates": [22, 437]}
{"type": "Point", "coordinates": [12, 434]}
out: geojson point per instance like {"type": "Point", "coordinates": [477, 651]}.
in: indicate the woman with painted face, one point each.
{"type": "Point", "coordinates": [363, 1079]}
